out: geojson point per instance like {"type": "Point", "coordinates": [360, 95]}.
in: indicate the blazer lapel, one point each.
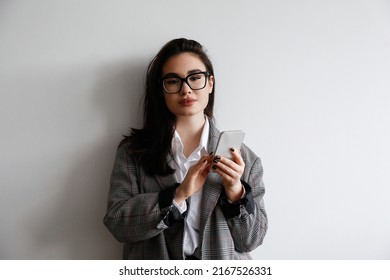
{"type": "Point", "coordinates": [210, 196]}
{"type": "Point", "coordinates": [213, 185]}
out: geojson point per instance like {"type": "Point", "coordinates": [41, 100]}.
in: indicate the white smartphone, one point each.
{"type": "Point", "coordinates": [227, 140]}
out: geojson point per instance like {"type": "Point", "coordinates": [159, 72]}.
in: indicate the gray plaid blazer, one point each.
{"type": "Point", "coordinates": [138, 203]}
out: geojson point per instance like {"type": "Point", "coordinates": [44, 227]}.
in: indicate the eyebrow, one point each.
{"type": "Point", "coordinates": [171, 74]}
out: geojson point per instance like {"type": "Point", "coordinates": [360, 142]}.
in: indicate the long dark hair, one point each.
{"type": "Point", "coordinates": [152, 144]}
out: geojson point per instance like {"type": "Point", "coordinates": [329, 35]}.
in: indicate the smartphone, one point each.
{"type": "Point", "coordinates": [227, 140]}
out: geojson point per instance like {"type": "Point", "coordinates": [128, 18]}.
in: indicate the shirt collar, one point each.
{"type": "Point", "coordinates": [205, 135]}
{"type": "Point", "coordinates": [177, 144]}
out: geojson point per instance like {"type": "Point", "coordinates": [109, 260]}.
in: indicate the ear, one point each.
{"type": "Point", "coordinates": [211, 84]}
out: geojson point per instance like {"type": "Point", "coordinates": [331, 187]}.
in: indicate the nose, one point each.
{"type": "Point", "coordinates": [185, 88]}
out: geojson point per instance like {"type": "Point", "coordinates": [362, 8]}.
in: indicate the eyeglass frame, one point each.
{"type": "Point", "coordinates": [206, 73]}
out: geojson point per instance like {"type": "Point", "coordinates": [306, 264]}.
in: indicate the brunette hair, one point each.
{"type": "Point", "coordinates": [152, 144]}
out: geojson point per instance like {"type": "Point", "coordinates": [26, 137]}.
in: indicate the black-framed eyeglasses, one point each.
{"type": "Point", "coordinates": [196, 81]}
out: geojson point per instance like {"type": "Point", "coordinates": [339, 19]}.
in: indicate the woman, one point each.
{"type": "Point", "coordinates": [164, 201]}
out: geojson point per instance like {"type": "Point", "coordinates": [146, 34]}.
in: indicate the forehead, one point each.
{"type": "Point", "coordinates": [182, 64]}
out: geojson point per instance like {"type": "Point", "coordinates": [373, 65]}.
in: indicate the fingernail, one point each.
{"type": "Point", "coordinates": [214, 167]}
{"type": "Point", "coordinates": [232, 149]}
{"type": "Point", "coordinates": [215, 160]}
{"type": "Point", "coordinates": [218, 157]}
{"type": "Point", "coordinates": [211, 153]}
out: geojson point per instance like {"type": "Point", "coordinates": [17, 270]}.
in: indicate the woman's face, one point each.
{"type": "Point", "coordinates": [187, 102]}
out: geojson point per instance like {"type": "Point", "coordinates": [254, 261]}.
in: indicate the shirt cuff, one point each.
{"type": "Point", "coordinates": [243, 193]}
{"type": "Point", "coordinates": [181, 207]}
{"type": "Point", "coordinates": [243, 206]}
{"type": "Point", "coordinates": [170, 213]}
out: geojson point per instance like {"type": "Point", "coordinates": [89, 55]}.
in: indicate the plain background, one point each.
{"type": "Point", "coordinates": [308, 81]}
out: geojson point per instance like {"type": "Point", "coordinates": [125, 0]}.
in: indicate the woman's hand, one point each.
{"type": "Point", "coordinates": [195, 178]}
{"type": "Point", "coordinates": [231, 172]}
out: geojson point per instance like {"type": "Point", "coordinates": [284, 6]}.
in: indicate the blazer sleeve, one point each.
{"type": "Point", "coordinates": [133, 214]}
{"type": "Point", "coordinates": [247, 219]}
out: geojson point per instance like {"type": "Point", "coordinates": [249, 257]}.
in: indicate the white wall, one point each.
{"type": "Point", "coordinates": [307, 80]}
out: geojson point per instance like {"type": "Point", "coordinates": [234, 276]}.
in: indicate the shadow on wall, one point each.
{"type": "Point", "coordinates": [71, 226]}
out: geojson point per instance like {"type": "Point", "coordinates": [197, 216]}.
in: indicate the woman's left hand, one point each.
{"type": "Point", "coordinates": [231, 171]}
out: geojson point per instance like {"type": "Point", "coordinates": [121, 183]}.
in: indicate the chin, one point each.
{"type": "Point", "coordinates": [188, 113]}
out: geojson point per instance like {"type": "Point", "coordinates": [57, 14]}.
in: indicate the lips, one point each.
{"type": "Point", "coordinates": [187, 102]}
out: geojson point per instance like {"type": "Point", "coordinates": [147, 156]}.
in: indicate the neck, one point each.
{"type": "Point", "coordinates": [190, 126]}
{"type": "Point", "coordinates": [190, 131]}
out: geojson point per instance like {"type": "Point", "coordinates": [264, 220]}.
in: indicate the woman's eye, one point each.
{"type": "Point", "coordinates": [171, 81]}
{"type": "Point", "coordinates": [196, 77]}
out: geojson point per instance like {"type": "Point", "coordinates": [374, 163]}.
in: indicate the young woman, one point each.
{"type": "Point", "coordinates": [164, 202]}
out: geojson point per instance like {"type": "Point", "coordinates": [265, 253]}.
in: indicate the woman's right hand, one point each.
{"type": "Point", "coordinates": [194, 180]}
